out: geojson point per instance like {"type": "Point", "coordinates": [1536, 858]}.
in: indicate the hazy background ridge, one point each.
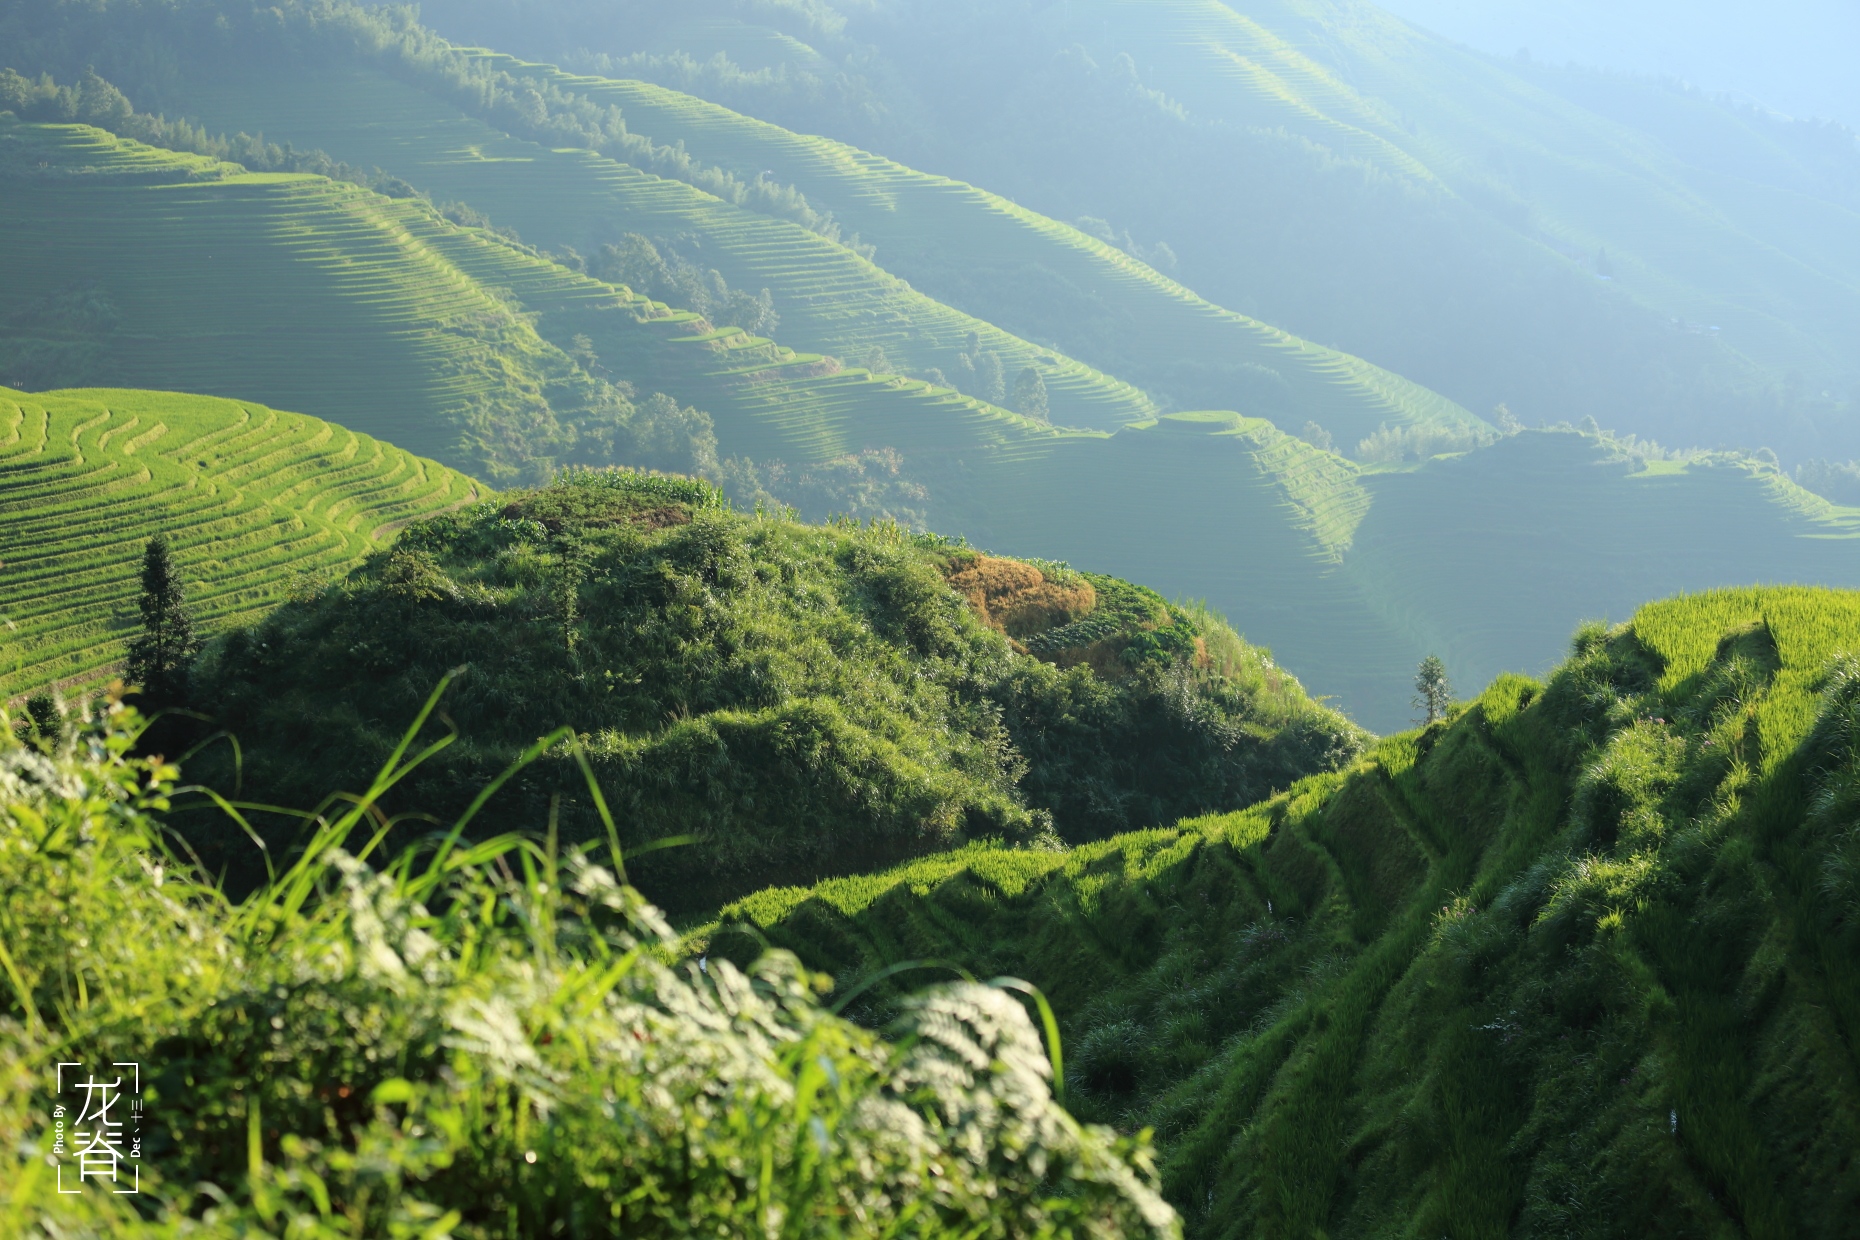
{"type": "Point", "coordinates": [1795, 57]}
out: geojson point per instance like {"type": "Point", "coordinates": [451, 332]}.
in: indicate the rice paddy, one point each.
{"type": "Point", "coordinates": [831, 301]}
{"type": "Point", "coordinates": [920, 221]}
{"type": "Point", "coordinates": [305, 293]}
{"type": "Point", "coordinates": [253, 501]}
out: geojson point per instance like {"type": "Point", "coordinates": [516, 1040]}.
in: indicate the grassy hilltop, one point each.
{"type": "Point", "coordinates": [1578, 960]}
{"type": "Point", "coordinates": [257, 503]}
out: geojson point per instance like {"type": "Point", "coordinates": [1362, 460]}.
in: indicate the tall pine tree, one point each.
{"type": "Point", "coordinates": [160, 657]}
{"type": "Point", "coordinates": [1433, 692]}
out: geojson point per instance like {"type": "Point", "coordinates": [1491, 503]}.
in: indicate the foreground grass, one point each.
{"type": "Point", "coordinates": [480, 1042]}
{"type": "Point", "coordinates": [1578, 961]}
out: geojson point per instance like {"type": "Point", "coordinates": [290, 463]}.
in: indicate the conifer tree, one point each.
{"type": "Point", "coordinates": [159, 659]}
{"type": "Point", "coordinates": [1432, 690]}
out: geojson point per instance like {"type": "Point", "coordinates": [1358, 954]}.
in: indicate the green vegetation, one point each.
{"type": "Point", "coordinates": [575, 163]}
{"type": "Point", "coordinates": [802, 700]}
{"type": "Point", "coordinates": [1578, 959]}
{"type": "Point", "coordinates": [481, 1043]}
{"type": "Point", "coordinates": [1032, 275]}
{"type": "Point", "coordinates": [1575, 957]}
{"type": "Point", "coordinates": [254, 503]}
{"type": "Point", "coordinates": [162, 655]}
{"type": "Point", "coordinates": [1339, 568]}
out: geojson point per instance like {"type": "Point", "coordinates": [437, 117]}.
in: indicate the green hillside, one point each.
{"type": "Point", "coordinates": [1783, 271]}
{"type": "Point", "coordinates": [1353, 574]}
{"type": "Point", "coordinates": [831, 300]}
{"type": "Point", "coordinates": [1027, 273]}
{"type": "Point", "coordinates": [1332, 567]}
{"type": "Point", "coordinates": [172, 271]}
{"type": "Point", "coordinates": [1483, 556]}
{"type": "Point", "coordinates": [1578, 961]}
{"type": "Point", "coordinates": [255, 503]}
{"type": "Point", "coordinates": [455, 126]}
{"type": "Point", "coordinates": [799, 700]}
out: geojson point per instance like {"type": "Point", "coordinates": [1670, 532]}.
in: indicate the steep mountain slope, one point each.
{"type": "Point", "coordinates": [830, 298]}
{"type": "Point", "coordinates": [1578, 961]}
{"type": "Point", "coordinates": [1030, 274]}
{"type": "Point", "coordinates": [255, 503]}
{"type": "Point", "coordinates": [1330, 566]}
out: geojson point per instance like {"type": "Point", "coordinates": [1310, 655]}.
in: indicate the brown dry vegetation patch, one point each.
{"type": "Point", "coordinates": [594, 511]}
{"type": "Point", "coordinates": [1017, 598]}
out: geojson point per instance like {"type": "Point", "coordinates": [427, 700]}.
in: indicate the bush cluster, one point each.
{"type": "Point", "coordinates": [482, 1043]}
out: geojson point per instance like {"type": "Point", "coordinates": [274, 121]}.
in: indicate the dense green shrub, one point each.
{"type": "Point", "coordinates": [802, 699]}
{"type": "Point", "coordinates": [483, 1043]}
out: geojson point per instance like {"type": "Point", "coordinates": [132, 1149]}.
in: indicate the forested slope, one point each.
{"type": "Point", "coordinates": [1578, 960]}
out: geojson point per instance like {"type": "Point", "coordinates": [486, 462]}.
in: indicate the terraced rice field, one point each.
{"type": "Point", "coordinates": [831, 300]}
{"type": "Point", "coordinates": [919, 221]}
{"type": "Point", "coordinates": [375, 312]}
{"type": "Point", "coordinates": [252, 500]}
{"type": "Point", "coordinates": [292, 290]}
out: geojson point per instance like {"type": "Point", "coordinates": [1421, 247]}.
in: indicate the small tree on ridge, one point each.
{"type": "Point", "coordinates": [159, 659]}
{"type": "Point", "coordinates": [1432, 690]}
